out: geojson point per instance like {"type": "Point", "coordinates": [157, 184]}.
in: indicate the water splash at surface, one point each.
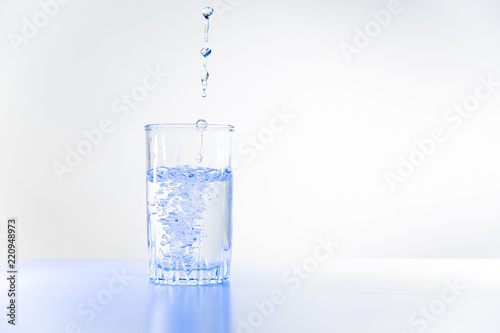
{"type": "Point", "coordinates": [201, 124]}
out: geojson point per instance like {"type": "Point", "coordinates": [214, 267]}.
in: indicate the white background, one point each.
{"type": "Point", "coordinates": [322, 174]}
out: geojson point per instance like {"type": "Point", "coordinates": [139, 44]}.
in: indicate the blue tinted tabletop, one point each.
{"type": "Point", "coordinates": [397, 296]}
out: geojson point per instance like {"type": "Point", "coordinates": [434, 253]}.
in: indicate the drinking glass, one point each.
{"type": "Point", "coordinates": [189, 202]}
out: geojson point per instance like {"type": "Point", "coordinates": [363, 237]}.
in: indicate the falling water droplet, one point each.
{"type": "Point", "coordinates": [205, 52]}
{"type": "Point", "coordinates": [204, 81]}
{"type": "Point", "coordinates": [206, 12]}
{"type": "Point", "coordinates": [201, 124]}
{"type": "Point", "coordinates": [204, 75]}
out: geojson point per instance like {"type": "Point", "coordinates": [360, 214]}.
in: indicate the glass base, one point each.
{"type": "Point", "coordinates": [196, 277]}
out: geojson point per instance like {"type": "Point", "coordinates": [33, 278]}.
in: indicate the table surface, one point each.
{"type": "Point", "coordinates": [372, 295]}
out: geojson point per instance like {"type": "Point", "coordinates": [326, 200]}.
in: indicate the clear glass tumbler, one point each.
{"type": "Point", "coordinates": [189, 202]}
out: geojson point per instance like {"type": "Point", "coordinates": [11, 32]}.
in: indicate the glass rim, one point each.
{"type": "Point", "coordinates": [165, 126]}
